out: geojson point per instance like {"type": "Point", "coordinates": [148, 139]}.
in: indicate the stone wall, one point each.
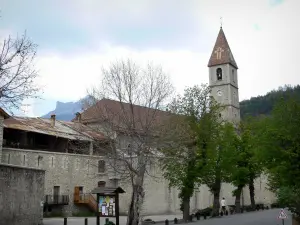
{"type": "Point", "coordinates": [62, 169]}
{"type": "Point", "coordinates": [71, 170]}
{"type": "Point", "coordinates": [21, 194]}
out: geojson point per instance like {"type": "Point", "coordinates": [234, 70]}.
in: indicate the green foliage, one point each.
{"type": "Point", "coordinates": [182, 137]}
{"type": "Point", "coordinates": [200, 143]}
{"type": "Point", "coordinates": [280, 151]}
{"type": "Point", "coordinates": [245, 165]}
{"type": "Point", "coordinates": [289, 197]}
{"type": "Point", "coordinates": [263, 105]}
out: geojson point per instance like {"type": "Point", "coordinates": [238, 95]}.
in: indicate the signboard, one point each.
{"type": "Point", "coordinates": [282, 215]}
{"type": "Point", "coordinates": [107, 205]}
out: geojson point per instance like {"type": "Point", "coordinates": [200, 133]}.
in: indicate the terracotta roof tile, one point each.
{"type": "Point", "coordinates": [221, 53]}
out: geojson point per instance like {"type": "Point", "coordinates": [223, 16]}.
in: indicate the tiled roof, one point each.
{"type": "Point", "coordinates": [221, 53]}
{"type": "Point", "coordinates": [63, 129]}
{"type": "Point", "coordinates": [120, 113]}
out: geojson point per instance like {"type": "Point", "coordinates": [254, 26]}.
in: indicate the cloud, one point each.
{"type": "Point", "coordinates": [178, 35]}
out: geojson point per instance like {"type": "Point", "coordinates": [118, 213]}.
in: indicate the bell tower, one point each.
{"type": "Point", "coordinates": [223, 79]}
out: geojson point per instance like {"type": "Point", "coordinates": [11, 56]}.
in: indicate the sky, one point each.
{"type": "Point", "coordinates": [76, 38]}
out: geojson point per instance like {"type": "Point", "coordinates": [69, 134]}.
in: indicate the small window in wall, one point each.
{"type": "Point", "coordinates": [39, 160]}
{"type": "Point", "coordinates": [101, 166]}
{"type": "Point", "coordinates": [24, 160]}
{"type": "Point", "coordinates": [232, 74]}
{"type": "Point", "coordinates": [219, 74]}
{"type": "Point", "coordinates": [52, 162]}
{"type": "Point", "coordinates": [8, 159]}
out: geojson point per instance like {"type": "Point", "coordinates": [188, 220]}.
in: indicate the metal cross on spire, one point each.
{"type": "Point", "coordinates": [221, 21]}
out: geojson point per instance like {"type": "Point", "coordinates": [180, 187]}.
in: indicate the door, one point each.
{"type": "Point", "coordinates": [81, 194]}
{"type": "Point", "coordinates": [56, 190]}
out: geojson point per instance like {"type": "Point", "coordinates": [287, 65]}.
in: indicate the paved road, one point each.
{"type": "Point", "coordinates": [267, 217]}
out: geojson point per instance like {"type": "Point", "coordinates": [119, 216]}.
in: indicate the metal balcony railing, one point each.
{"type": "Point", "coordinates": [57, 199]}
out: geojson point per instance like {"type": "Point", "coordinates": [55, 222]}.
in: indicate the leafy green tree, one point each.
{"type": "Point", "coordinates": [280, 150]}
{"type": "Point", "coordinates": [216, 154]}
{"type": "Point", "coordinates": [191, 126]}
{"type": "Point", "coordinates": [245, 167]}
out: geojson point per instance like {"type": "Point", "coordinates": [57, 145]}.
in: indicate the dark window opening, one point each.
{"type": "Point", "coordinates": [232, 72]}
{"type": "Point", "coordinates": [101, 183]}
{"type": "Point", "coordinates": [101, 166]}
{"type": "Point", "coordinates": [219, 74]}
{"type": "Point", "coordinates": [220, 115]}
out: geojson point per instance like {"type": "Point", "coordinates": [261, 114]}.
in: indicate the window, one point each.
{"type": "Point", "coordinates": [39, 159]}
{"type": "Point", "coordinates": [232, 74]}
{"type": "Point", "coordinates": [24, 160]}
{"type": "Point", "coordinates": [8, 160]}
{"type": "Point", "coordinates": [52, 162]}
{"type": "Point", "coordinates": [219, 74]}
{"type": "Point", "coordinates": [101, 166]}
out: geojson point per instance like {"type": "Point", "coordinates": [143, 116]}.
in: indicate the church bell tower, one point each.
{"type": "Point", "coordinates": [223, 79]}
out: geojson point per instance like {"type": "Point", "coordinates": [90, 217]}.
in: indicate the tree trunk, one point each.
{"type": "Point", "coordinates": [137, 197]}
{"type": "Point", "coordinates": [238, 199]}
{"type": "Point", "coordinates": [216, 192]}
{"type": "Point", "coordinates": [186, 208]}
{"type": "Point", "coordinates": [216, 204]}
{"type": "Point", "coordinates": [252, 194]}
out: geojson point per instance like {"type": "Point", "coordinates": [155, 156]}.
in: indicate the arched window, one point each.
{"type": "Point", "coordinates": [219, 74]}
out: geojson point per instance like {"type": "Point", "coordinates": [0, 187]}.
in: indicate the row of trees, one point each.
{"type": "Point", "coordinates": [207, 150]}
{"type": "Point", "coordinates": [204, 149]}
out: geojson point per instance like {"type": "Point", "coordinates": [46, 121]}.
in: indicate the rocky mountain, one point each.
{"type": "Point", "coordinates": [65, 110]}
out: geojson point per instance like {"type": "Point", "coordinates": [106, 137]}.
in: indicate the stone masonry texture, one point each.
{"type": "Point", "coordinates": [21, 194]}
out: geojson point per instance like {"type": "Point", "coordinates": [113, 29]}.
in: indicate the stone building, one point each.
{"type": "Point", "coordinates": [73, 153]}
{"type": "Point", "coordinates": [66, 151]}
{"type": "Point", "coordinates": [223, 81]}
{"type": "Point", "coordinates": [21, 190]}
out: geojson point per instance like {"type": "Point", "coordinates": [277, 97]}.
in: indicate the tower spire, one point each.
{"type": "Point", "coordinates": [221, 53]}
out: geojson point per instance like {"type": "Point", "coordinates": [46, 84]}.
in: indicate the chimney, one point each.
{"type": "Point", "coordinates": [53, 120]}
{"type": "Point", "coordinates": [78, 117]}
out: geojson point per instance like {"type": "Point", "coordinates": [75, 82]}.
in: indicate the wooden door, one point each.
{"type": "Point", "coordinates": [76, 194]}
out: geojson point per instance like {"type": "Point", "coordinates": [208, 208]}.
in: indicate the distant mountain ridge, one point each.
{"type": "Point", "coordinates": [65, 110]}
{"type": "Point", "coordinates": [252, 107]}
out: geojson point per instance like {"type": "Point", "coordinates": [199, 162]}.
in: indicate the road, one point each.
{"type": "Point", "coordinates": [266, 217]}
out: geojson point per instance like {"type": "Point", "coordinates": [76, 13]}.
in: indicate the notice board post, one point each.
{"type": "Point", "coordinates": [108, 202]}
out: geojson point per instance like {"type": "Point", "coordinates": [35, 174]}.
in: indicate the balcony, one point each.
{"type": "Point", "coordinates": [57, 199]}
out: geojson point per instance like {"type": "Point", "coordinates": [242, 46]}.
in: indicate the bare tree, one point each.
{"type": "Point", "coordinates": [17, 73]}
{"type": "Point", "coordinates": [128, 109]}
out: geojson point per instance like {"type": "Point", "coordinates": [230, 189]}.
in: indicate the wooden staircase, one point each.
{"type": "Point", "coordinates": [85, 199]}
